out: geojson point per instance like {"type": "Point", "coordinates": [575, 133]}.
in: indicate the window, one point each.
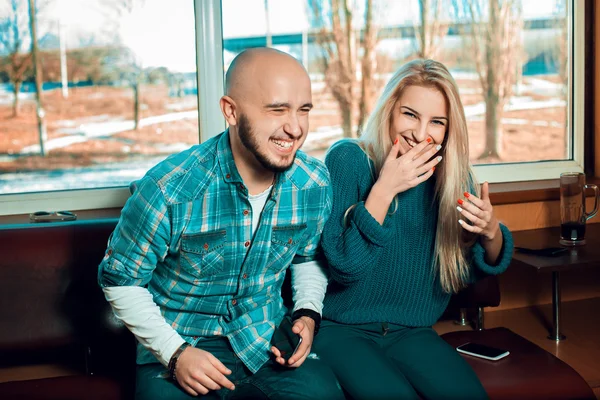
{"type": "Point", "coordinates": [523, 115]}
{"type": "Point", "coordinates": [94, 68]}
{"type": "Point", "coordinates": [118, 93]}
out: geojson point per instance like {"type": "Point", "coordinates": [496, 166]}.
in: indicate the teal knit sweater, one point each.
{"type": "Point", "coordinates": [384, 273]}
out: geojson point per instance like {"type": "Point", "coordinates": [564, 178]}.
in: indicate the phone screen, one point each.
{"type": "Point", "coordinates": [285, 339]}
{"type": "Point", "coordinates": [481, 349]}
{"type": "Point", "coordinates": [293, 338]}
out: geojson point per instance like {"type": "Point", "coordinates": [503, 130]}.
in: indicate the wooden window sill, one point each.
{"type": "Point", "coordinates": [530, 191]}
{"type": "Point", "coordinates": [22, 220]}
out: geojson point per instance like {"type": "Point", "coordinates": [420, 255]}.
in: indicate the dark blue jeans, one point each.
{"type": "Point", "coordinates": [312, 380]}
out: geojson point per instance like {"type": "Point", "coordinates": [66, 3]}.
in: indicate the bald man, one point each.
{"type": "Point", "coordinates": [196, 264]}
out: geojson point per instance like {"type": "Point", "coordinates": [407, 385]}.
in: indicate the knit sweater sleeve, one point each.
{"type": "Point", "coordinates": [506, 253]}
{"type": "Point", "coordinates": [352, 239]}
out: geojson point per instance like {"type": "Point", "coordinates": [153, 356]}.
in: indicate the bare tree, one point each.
{"type": "Point", "coordinates": [136, 83]}
{"type": "Point", "coordinates": [125, 66]}
{"type": "Point", "coordinates": [559, 55]}
{"type": "Point", "coordinates": [432, 30]}
{"type": "Point", "coordinates": [562, 49]}
{"type": "Point", "coordinates": [14, 31]}
{"type": "Point", "coordinates": [368, 65]}
{"type": "Point", "coordinates": [337, 37]}
{"type": "Point", "coordinates": [131, 71]}
{"type": "Point", "coordinates": [38, 76]}
{"type": "Point", "coordinates": [136, 71]}
{"type": "Point", "coordinates": [110, 12]}
{"type": "Point", "coordinates": [495, 28]}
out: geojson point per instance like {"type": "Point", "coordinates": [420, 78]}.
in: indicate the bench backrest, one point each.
{"type": "Point", "coordinates": [50, 302]}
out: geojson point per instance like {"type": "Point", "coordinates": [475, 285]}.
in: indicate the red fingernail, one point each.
{"type": "Point", "coordinates": [396, 141]}
{"type": "Point", "coordinates": [433, 169]}
{"type": "Point", "coordinates": [428, 140]}
{"type": "Point", "coordinates": [466, 194]}
{"type": "Point", "coordinates": [460, 201]}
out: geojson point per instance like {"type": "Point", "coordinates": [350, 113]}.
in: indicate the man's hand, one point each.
{"type": "Point", "coordinates": [305, 327]}
{"type": "Point", "coordinates": [199, 372]}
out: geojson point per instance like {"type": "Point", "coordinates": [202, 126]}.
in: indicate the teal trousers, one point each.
{"type": "Point", "coordinates": [386, 361]}
{"type": "Point", "coordinates": [313, 380]}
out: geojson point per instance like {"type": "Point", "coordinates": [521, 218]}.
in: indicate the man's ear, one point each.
{"type": "Point", "coordinates": [229, 110]}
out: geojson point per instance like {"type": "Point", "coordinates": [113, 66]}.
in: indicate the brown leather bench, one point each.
{"type": "Point", "coordinates": [529, 372]}
{"type": "Point", "coordinates": [63, 388]}
{"type": "Point", "coordinates": [53, 312]}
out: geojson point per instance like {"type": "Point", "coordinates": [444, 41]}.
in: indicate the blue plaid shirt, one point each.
{"type": "Point", "coordinates": [186, 233]}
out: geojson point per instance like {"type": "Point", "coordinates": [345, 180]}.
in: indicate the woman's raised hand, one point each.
{"type": "Point", "coordinates": [480, 213]}
{"type": "Point", "coordinates": [400, 173]}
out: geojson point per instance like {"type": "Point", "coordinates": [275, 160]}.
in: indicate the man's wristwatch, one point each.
{"type": "Point", "coordinates": [173, 361]}
{"type": "Point", "coordinates": [305, 312]}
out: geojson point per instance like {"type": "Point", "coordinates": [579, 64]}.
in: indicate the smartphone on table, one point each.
{"type": "Point", "coordinates": [286, 341]}
{"type": "Point", "coordinates": [482, 351]}
{"type": "Point", "coordinates": [546, 252]}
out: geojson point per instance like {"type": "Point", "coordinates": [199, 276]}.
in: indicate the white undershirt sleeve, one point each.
{"type": "Point", "coordinates": [135, 306]}
{"type": "Point", "coordinates": [309, 284]}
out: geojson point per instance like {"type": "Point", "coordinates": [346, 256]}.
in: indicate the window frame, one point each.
{"type": "Point", "coordinates": [209, 46]}
{"type": "Point", "coordinates": [544, 170]}
{"type": "Point", "coordinates": [210, 76]}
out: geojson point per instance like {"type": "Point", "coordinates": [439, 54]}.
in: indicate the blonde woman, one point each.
{"type": "Point", "coordinates": [408, 228]}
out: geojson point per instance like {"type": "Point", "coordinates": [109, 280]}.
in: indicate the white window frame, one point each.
{"type": "Point", "coordinates": [210, 76]}
{"type": "Point", "coordinates": [542, 170]}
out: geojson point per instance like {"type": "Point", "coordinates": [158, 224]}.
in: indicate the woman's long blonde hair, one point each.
{"type": "Point", "coordinates": [454, 174]}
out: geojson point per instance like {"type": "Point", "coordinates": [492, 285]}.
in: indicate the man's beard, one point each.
{"type": "Point", "coordinates": [248, 138]}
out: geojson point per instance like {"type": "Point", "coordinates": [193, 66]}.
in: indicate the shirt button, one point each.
{"type": "Point", "coordinates": [205, 246]}
{"type": "Point", "coordinates": [245, 276]}
{"type": "Point", "coordinates": [246, 212]}
{"type": "Point", "coordinates": [234, 302]}
{"type": "Point", "coordinates": [228, 176]}
{"type": "Point", "coordinates": [290, 241]}
{"type": "Point", "coordinates": [247, 244]}
{"type": "Point", "coordinates": [109, 252]}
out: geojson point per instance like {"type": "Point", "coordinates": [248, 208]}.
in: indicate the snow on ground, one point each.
{"type": "Point", "coordinates": [98, 176]}
{"type": "Point", "coordinates": [121, 174]}
{"type": "Point", "coordinates": [104, 129]}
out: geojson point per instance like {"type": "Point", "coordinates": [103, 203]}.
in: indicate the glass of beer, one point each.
{"type": "Point", "coordinates": [573, 214]}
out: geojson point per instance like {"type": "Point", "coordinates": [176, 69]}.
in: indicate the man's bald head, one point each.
{"type": "Point", "coordinates": [252, 66]}
{"type": "Point", "coordinates": [266, 104]}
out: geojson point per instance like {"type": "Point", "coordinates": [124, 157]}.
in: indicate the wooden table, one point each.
{"type": "Point", "coordinates": [587, 255]}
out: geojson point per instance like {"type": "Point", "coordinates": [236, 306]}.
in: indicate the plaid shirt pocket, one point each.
{"type": "Point", "coordinates": [284, 243]}
{"type": "Point", "coordinates": [202, 254]}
